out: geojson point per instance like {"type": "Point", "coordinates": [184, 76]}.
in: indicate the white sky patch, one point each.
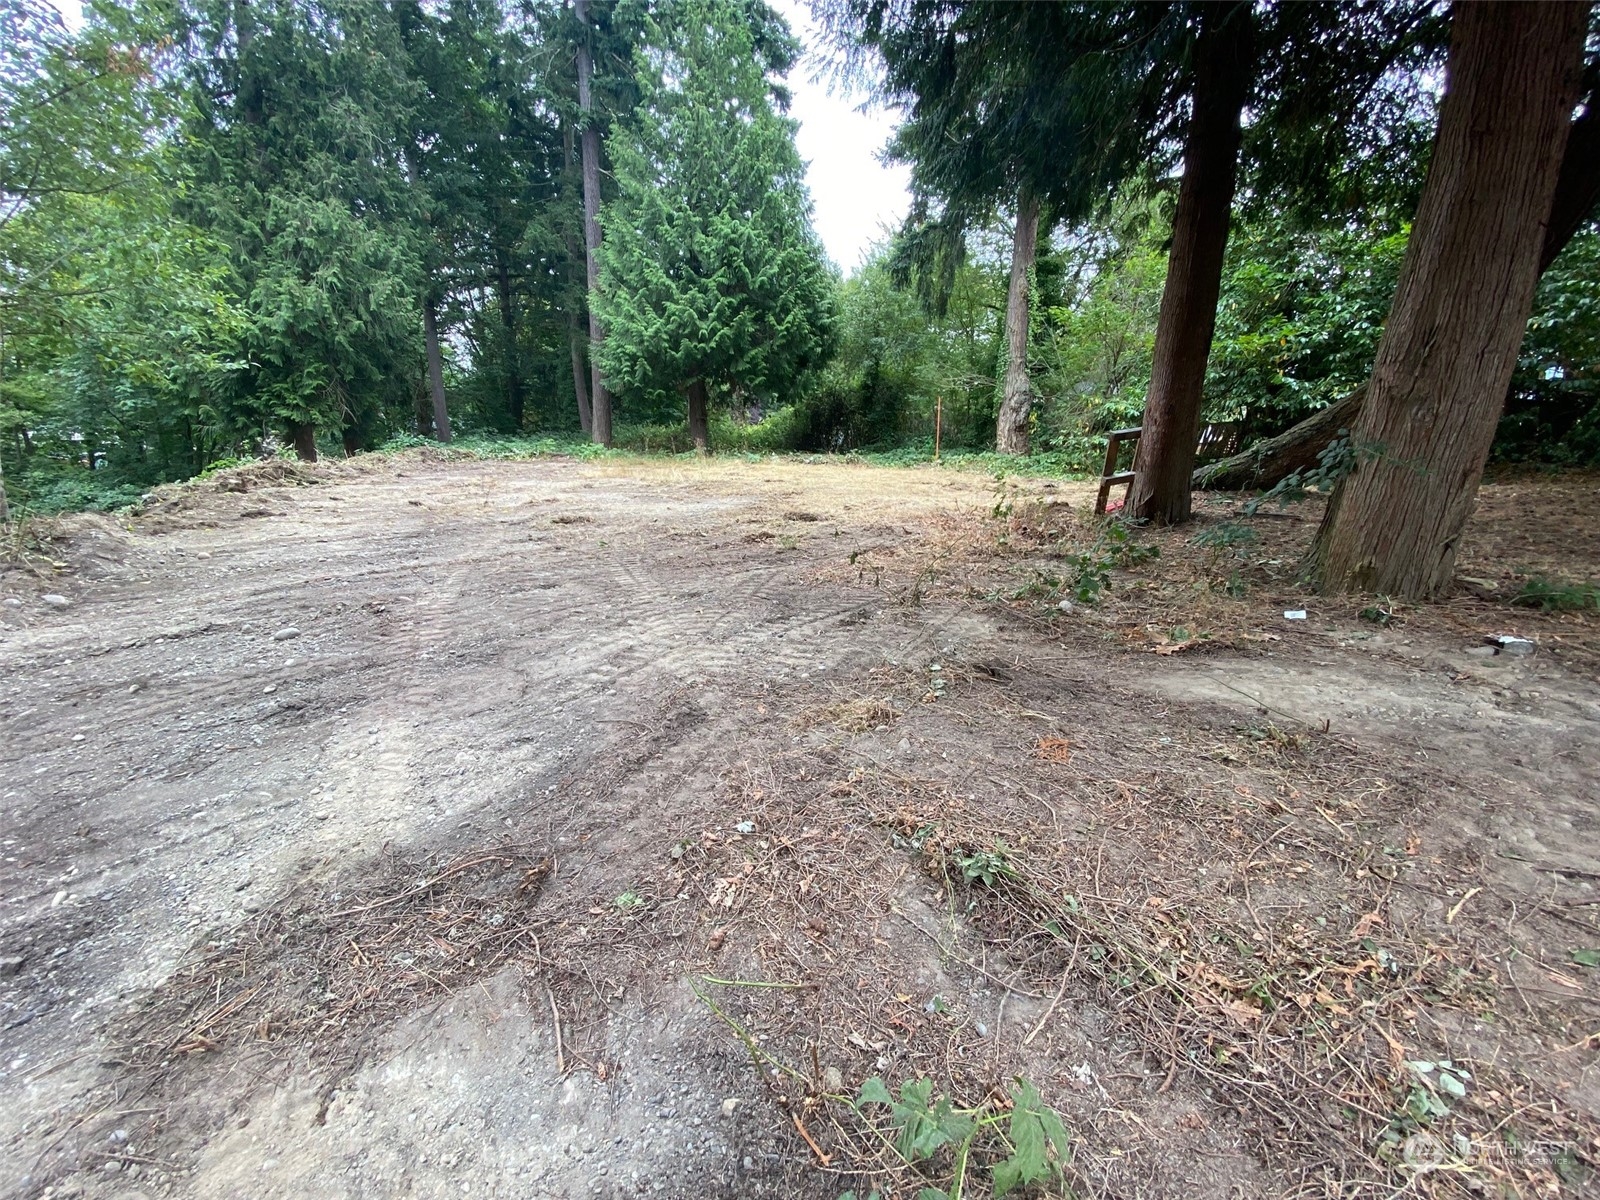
{"type": "Point", "coordinates": [858, 199]}
{"type": "Point", "coordinates": [71, 12]}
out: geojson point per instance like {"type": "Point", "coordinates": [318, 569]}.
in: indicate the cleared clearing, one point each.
{"type": "Point", "coordinates": [459, 888]}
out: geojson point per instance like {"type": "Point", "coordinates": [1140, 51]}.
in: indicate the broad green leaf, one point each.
{"type": "Point", "coordinates": [874, 1092]}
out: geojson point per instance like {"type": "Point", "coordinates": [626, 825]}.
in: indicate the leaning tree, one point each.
{"type": "Point", "coordinates": [1466, 287]}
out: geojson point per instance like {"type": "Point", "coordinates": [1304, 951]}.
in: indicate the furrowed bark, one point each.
{"type": "Point", "coordinates": [699, 416]}
{"type": "Point", "coordinates": [1164, 462]}
{"type": "Point", "coordinates": [430, 331]}
{"type": "Point", "coordinates": [589, 141]}
{"type": "Point", "coordinates": [1462, 303]}
{"type": "Point", "coordinates": [1011, 430]}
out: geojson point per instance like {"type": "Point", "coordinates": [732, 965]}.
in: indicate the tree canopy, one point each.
{"type": "Point", "coordinates": [241, 227]}
{"type": "Point", "coordinates": [710, 270]}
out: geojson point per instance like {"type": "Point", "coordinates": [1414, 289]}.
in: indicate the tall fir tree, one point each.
{"type": "Point", "coordinates": [712, 279]}
{"type": "Point", "coordinates": [299, 122]}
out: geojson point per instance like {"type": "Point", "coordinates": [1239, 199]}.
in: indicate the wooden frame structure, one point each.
{"type": "Point", "coordinates": [1217, 440]}
{"type": "Point", "coordinates": [1110, 477]}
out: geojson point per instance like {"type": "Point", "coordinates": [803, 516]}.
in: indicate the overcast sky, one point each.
{"type": "Point", "coordinates": [858, 199]}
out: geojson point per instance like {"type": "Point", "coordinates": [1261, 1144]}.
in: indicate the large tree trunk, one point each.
{"type": "Point", "coordinates": [1011, 430]}
{"type": "Point", "coordinates": [580, 382]}
{"type": "Point", "coordinates": [508, 326]}
{"type": "Point", "coordinates": [600, 425]}
{"type": "Point", "coordinates": [1269, 462]}
{"type": "Point", "coordinates": [699, 417]}
{"type": "Point", "coordinates": [304, 439]}
{"type": "Point", "coordinates": [1165, 458]}
{"type": "Point", "coordinates": [1466, 287]}
{"type": "Point", "coordinates": [430, 333]}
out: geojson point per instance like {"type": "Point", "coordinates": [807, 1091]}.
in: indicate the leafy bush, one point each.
{"type": "Point", "coordinates": [1558, 595]}
{"type": "Point", "coordinates": [78, 492]}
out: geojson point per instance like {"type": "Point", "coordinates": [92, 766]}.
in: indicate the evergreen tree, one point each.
{"type": "Point", "coordinates": [487, 153]}
{"type": "Point", "coordinates": [300, 119]}
{"type": "Point", "coordinates": [1461, 308]}
{"type": "Point", "coordinates": [711, 277]}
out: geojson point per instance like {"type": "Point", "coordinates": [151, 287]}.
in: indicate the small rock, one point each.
{"type": "Point", "coordinates": [10, 964]}
{"type": "Point", "coordinates": [749, 1163]}
{"type": "Point", "coordinates": [832, 1079]}
{"type": "Point", "coordinates": [132, 688]}
{"type": "Point", "coordinates": [204, 554]}
{"type": "Point", "coordinates": [112, 1167]}
{"type": "Point", "coordinates": [905, 745]}
{"type": "Point", "coordinates": [54, 601]}
{"type": "Point", "coordinates": [1484, 651]}
{"type": "Point", "coordinates": [1065, 606]}
{"type": "Point", "coordinates": [730, 1105]}
{"type": "Point", "coordinates": [11, 602]}
{"type": "Point", "coordinates": [285, 634]}
{"type": "Point", "coordinates": [269, 689]}
{"type": "Point", "coordinates": [79, 737]}
{"type": "Point", "coordinates": [321, 816]}
{"type": "Point", "coordinates": [242, 884]}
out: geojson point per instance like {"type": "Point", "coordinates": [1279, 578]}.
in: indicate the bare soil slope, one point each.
{"type": "Point", "coordinates": [422, 828]}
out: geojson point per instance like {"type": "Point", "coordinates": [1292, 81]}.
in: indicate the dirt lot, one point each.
{"type": "Point", "coordinates": [448, 828]}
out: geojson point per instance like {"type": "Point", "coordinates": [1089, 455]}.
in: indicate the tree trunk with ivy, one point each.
{"type": "Point", "coordinates": [1011, 430]}
{"type": "Point", "coordinates": [1466, 288]}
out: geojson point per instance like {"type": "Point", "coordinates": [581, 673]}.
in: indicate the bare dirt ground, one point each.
{"type": "Point", "coordinates": [408, 827]}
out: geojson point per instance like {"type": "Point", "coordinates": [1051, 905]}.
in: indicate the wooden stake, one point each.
{"type": "Point", "coordinates": [938, 421]}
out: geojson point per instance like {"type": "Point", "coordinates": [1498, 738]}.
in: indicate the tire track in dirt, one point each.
{"type": "Point", "coordinates": [460, 662]}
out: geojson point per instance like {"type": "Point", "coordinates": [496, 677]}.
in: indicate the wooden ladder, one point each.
{"type": "Point", "coordinates": [1217, 440]}
{"type": "Point", "coordinates": [1111, 477]}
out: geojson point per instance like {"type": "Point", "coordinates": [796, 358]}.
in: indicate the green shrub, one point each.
{"type": "Point", "coordinates": [1558, 595]}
